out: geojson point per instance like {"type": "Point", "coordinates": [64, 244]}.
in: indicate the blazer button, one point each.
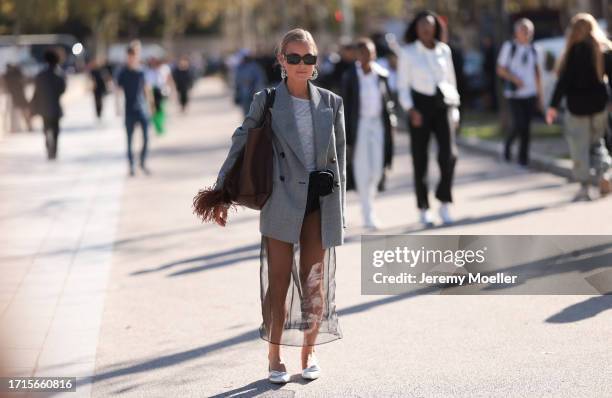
{"type": "Point", "coordinates": [282, 155]}
{"type": "Point", "coordinates": [282, 178]}
{"type": "Point", "coordinates": [333, 160]}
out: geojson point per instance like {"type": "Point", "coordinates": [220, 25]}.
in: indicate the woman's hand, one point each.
{"type": "Point", "coordinates": [551, 115]}
{"type": "Point", "coordinates": [416, 119]}
{"type": "Point", "coordinates": [220, 215]}
{"type": "Point", "coordinates": [517, 82]}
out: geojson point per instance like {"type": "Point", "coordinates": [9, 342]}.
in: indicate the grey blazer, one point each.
{"type": "Point", "coordinates": [282, 215]}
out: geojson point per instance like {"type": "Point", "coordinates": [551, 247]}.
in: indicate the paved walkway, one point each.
{"type": "Point", "coordinates": [109, 275]}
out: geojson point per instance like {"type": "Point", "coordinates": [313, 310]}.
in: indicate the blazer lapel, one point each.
{"type": "Point", "coordinates": [322, 117]}
{"type": "Point", "coordinates": [284, 119]}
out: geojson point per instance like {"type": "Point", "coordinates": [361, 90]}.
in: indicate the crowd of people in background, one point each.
{"type": "Point", "coordinates": [417, 85]}
{"type": "Point", "coordinates": [146, 91]}
{"type": "Point", "coordinates": [420, 86]}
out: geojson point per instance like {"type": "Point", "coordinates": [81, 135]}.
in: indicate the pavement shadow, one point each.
{"type": "Point", "coordinates": [484, 219]}
{"type": "Point", "coordinates": [260, 388]}
{"type": "Point", "coordinates": [582, 310]}
{"type": "Point", "coordinates": [576, 312]}
{"type": "Point", "coordinates": [119, 243]}
{"type": "Point", "coordinates": [229, 252]}
{"type": "Point", "coordinates": [406, 186]}
{"type": "Point", "coordinates": [169, 360]}
{"type": "Point", "coordinates": [218, 264]}
{"type": "Point", "coordinates": [539, 187]}
{"type": "Point", "coordinates": [582, 261]}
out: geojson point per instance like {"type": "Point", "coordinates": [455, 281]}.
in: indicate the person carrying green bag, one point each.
{"type": "Point", "coordinates": [159, 77]}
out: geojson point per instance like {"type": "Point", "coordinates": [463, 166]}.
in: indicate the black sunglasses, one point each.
{"type": "Point", "coordinates": [294, 59]}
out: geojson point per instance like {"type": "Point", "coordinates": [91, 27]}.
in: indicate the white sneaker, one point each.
{"type": "Point", "coordinates": [445, 214]}
{"type": "Point", "coordinates": [372, 223]}
{"type": "Point", "coordinates": [278, 376]}
{"type": "Point", "coordinates": [426, 218]}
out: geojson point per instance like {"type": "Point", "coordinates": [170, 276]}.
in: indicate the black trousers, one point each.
{"type": "Point", "coordinates": [157, 99]}
{"type": "Point", "coordinates": [436, 122]}
{"type": "Point", "coordinates": [521, 112]}
{"type": "Point", "coordinates": [51, 132]}
{"type": "Point", "coordinates": [183, 95]}
{"type": "Point", "coordinates": [98, 99]}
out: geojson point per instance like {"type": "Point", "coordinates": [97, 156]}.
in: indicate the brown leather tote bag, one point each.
{"type": "Point", "coordinates": [249, 181]}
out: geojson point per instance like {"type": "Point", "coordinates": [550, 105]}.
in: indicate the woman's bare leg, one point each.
{"type": "Point", "coordinates": [311, 278]}
{"type": "Point", "coordinates": [280, 261]}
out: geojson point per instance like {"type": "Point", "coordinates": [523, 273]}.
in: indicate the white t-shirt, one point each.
{"type": "Point", "coordinates": [522, 65]}
{"type": "Point", "coordinates": [303, 119]}
{"type": "Point", "coordinates": [370, 97]}
{"type": "Point", "coordinates": [158, 77]}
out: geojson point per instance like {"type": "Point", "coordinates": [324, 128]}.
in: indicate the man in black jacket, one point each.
{"type": "Point", "coordinates": [370, 120]}
{"type": "Point", "coordinates": [49, 86]}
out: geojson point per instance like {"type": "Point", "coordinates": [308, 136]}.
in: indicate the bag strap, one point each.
{"type": "Point", "coordinates": [270, 96]}
{"type": "Point", "coordinates": [511, 56]}
{"type": "Point", "coordinates": [534, 53]}
{"type": "Point", "coordinates": [532, 49]}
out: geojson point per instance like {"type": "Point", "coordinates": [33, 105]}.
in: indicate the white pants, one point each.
{"type": "Point", "coordinates": [368, 163]}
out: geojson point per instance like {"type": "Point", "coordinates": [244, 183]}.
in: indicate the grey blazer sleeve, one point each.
{"type": "Point", "coordinates": [240, 135]}
{"type": "Point", "coordinates": [341, 153]}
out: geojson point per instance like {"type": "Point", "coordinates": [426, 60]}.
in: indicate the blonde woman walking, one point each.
{"type": "Point", "coordinates": [305, 213]}
{"type": "Point", "coordinates": [586, 62]}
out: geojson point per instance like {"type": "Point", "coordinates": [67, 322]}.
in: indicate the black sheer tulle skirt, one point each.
{"type": "Point", "coordinates": [309, 305]}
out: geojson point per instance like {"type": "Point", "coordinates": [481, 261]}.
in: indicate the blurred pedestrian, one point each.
{"type": "Point", "coordinates": [517, 65]}
{"type": "Point", "coordinates": [49, 85]}
{"type": "Point", "coordinates": [369, 116]}
{"type": "Point", "coordinates": [14, 82]}
{"type": "Point", "coordinates": [131, 79]}
{"type": "Point", "coordinates": [267, 62]}
{"type": "Point", "coordinates": [428, 93]}
{"type": "Point", "coordinates": [341, 62]}
{"type": "Point", "coordinates": [250, 78]}
{"type": "Point", "coordinates": [585, 67]}
{"type": "Point", "coordinates": [100, 78]}
{"type": "Point", "coordinates": [183, 76]}
{"type": "Point", "coordinates": [158, 76]}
